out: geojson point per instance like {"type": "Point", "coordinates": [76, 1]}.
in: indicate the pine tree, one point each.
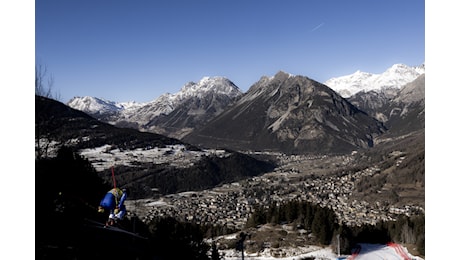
{"type": "Point", "coordinates": [214, 252]}
{"type": "Point", "coordinates": [319, 228]}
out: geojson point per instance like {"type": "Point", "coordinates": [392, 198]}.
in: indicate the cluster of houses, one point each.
{"type": "Point", "coordinates": [232, 204]}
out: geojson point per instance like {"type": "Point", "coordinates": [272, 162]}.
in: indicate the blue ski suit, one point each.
{"type": "Point", "coordinates": [114, 199]}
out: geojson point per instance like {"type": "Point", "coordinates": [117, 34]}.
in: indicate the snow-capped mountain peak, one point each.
{"type": "Point", "coordinates": [218, 85]}
{"type": "Point", "coordinates": [93, 104]}
{"type": "Point", "coordinates": [396, 76]}
{"type": "Point", "coordinates": [97, 105]}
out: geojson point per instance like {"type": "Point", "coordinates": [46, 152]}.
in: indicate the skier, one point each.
{"type": "Point", "coordinates": [113, 202]}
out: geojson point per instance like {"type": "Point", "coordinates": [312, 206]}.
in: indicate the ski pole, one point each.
{"type": "Point", "coordinates": [113, 178]}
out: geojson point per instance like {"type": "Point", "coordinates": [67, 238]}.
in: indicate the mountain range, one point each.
{"type": "Point", "coordinates": [394, 78]}
{"type": "Point", "coordinates": [170, 114]}
{"type": "Point", "coordinates": [284, 112]}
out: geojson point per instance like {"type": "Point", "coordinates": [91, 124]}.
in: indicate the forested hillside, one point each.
{"type": "Point", "coordinates": [324, 226]}
{"type": "Point", "coordinates": [204, 174]}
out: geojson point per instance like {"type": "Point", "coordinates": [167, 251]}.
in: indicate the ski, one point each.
{"type": "Point", "coordinates": [95, 224]}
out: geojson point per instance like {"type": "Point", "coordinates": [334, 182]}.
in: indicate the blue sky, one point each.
{"type": "Point", "coordinates": [138, 50]}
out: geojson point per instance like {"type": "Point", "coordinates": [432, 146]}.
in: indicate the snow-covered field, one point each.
{"type": "Point", "coordinates": [365, 252]}
{"type": "Point", "coordinates": [104, 157]}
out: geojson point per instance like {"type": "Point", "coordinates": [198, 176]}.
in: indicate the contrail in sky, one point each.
{"type": "Point", "coordinates": [317, 27]}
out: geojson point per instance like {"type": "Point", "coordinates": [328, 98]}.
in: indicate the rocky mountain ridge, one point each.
{"type": "Point", "coordinates": [401, 110]}
{"type": "Point", "coordinates": [291, 114]}
{"type": "Point", "coordinates": [169, 114]}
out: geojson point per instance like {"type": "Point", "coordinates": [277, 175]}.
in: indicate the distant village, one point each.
{"type": "Point", "coordinates": [232, 204]}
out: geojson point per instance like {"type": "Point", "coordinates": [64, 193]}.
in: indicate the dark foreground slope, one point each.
{"type": "Point", "coordinates": [68, 193]}
{"type": "Point", "coordinates": [66, 223]}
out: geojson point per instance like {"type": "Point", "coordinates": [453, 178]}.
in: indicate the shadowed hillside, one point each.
{"type": "Point", "coordinates": [58, 123]}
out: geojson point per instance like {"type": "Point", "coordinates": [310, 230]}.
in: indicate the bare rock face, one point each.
{"type": "Point", "coordinates": [401, 112]}
{"type": "Point", "coordinates": [292, 114]}
{"type": "Point", "coordinates": [412, 92]}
